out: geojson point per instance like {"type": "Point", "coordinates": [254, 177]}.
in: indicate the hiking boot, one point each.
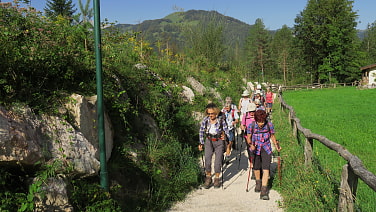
{"type": "Point", "coordinates": [208, 182]}
{"type": "Point", "coordinates": [264, 195]}
{"type": "Point", "coordinates": [217, 184]}
{"type": "Point", "coordinates": [258, 186]}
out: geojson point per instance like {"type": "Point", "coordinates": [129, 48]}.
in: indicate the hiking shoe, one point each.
{"type": "Point", "coordinates": [227, 160]}
{"type": "Point", "coordinates": [217, 184]}
{"type": "Point", "coordinates": [208, 182]}
{"type": "Point", "coordinates": [258, 186]}
{"type": "Point", "coordinates": [264, 195]}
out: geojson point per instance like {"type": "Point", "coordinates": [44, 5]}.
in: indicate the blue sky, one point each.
{"type": "Point", "coordinates": [274, 13]}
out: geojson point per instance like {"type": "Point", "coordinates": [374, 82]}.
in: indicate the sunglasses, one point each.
{"type": "Point", "coordinates": [212, 114]}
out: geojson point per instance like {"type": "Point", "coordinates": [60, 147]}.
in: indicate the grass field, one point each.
{"type": "Point", "coordinates": [346, 116]}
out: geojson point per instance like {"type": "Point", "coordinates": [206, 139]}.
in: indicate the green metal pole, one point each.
{"type": "Point", "coordinates": [98, 62]}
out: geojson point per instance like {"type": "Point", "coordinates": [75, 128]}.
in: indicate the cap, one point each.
{"type": "Point", "coordinates": [251, 107]}
{"type": "Point", "coordinates": [258, 86]}
{"type": "Point", "coordinates": [228, 99]}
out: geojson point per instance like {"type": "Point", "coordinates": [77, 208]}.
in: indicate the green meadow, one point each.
{"type": "Point", "coordinates": [346, 116]}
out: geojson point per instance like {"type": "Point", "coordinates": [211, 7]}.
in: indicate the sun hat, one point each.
{"type": "Point", "coordinates": [245, 93]}
{"type": "Point", "coordinates": [251, 107]}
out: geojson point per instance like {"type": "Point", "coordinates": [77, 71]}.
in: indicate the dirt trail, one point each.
{"type": "Point", "coordinates": [233, 196]}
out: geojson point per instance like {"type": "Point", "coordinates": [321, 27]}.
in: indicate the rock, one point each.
{"type": "Point", "coordinates": [187, 94]}
{"type": "Point", "coordinates": [196, 85]}
{"type": "Point", "coordinates": [85, 117]}
{"type": "Point", "coordinates": [55, 196]}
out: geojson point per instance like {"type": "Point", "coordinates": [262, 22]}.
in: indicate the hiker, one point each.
{"type": "Point", "coordinates": [259, 90]}
{"type": "Point", "coordinates": [247, 119]}
{"type": "Point", "coordinates": [259, 96]}
{"type": "Point", "coordinates": [260, 133]}
{"type": "Point", "coordinates": [243, 102]}
{"type": "Point", "coordinates": [232, 118]}
{"type": "Point", "coordinates": [212, 135]}
{"type": "Point", "coordinates": [269, 100]}
{"type": "Point", "coordinates": [259, 105]}
{"type": "Point", "coordinates": [228, 100]}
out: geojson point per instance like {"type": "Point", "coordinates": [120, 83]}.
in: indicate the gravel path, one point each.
{"type": "Point", "coordinates": [233, 196]}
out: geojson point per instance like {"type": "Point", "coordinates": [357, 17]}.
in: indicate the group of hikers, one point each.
{"type": "Point", "coordinates": [217, 136]}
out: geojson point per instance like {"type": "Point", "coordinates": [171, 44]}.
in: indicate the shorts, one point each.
{"type": "Point", "coordinates": [231, 134]}
{"type": "Point", "coordinates": [269, 105]}
{"type": "Point", "coordinates": [262, 161]}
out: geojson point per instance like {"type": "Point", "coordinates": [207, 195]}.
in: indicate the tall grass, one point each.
{"type": "Point", "coordinates": [302, 188]}
{"type": "Point", "coordinates": [345, 116]}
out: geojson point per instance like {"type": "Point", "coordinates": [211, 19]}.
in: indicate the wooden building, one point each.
{"type": "Point", "coordinates": [368, 75]}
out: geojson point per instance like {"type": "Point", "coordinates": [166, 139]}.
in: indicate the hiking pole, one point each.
{"type": "Point", "coordinates": [249, 172]}
{"type": "Point", "coordinates": [203, 165]}
{"type": "Point", "coordinates": [279, 169]}
{"type": "Point", "coordinates": [222, 170]}
{"type": "Point", "coordinates": [241, 145]}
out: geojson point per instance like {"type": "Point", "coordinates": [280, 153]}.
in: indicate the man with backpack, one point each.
{"type": "Point", "coordinates": [259, 135]}
{"type": "Point", "coordinates": [213, 133]}
{"type": "Point", "coordinates": [232, 118]}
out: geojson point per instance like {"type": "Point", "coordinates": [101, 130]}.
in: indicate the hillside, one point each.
{"type": "Point", "coordinates": [171, 28]}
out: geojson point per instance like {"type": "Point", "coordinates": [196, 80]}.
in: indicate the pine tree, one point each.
{"type": "Point", "coordinates": [258, 52]}
{"type": "Point", "coordinates": [282, 53]}
{"type": "Point", "coordinates": [55, 8]}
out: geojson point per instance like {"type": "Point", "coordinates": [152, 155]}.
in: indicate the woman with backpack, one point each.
{"type": "Point", "coordinates": [212, 135]}
{"type": "Point", "coordinates": [259, 135]}
{"type": "Point", "coordinates": [247, 119]}
{"type": "Point", "coordinates": [269, 100]}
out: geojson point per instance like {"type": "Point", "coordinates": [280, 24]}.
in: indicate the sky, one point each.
{"type": "Point", "coordinates": [274, 13]}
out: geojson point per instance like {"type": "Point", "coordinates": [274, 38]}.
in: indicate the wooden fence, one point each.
{"type": "Point", "coordinates": [351, 171]}
{"type": "Point", "coordinates": [316, 86]}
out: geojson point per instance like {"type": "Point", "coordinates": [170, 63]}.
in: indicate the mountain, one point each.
{"type": "Point", "coordinates": [171, 28]}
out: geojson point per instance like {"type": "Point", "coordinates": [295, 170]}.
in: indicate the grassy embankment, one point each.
{"type": "Point", "coordinates": [343, 115]}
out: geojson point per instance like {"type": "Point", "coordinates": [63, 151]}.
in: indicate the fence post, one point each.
{"type": "Point", "coordinates": [308, 151]}
{"type": "Point", "coordinates": [294, 128]}
{"type": "Point", "coordinates": [347, 189]}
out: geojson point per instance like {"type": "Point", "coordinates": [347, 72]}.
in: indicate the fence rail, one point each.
{"type": "Point", "coordinates": [351, 172]}
{"type": "Point", "coordinates": [316, 86]}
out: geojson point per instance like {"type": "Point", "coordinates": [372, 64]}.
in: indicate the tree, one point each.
{"type": "Point", "coordinates": [55, 8]}
{"type": "Point", "coordinates": [369, 44]}
{"type": "Point", "coordinates": [326, 34]}
{"type": "Point", "coordinates": [86, 13]}
{"type": "Point", "coordinates": [282, 46]}
{"type": "Point", "coordinates": [205, 40]}
{"type": "Point", "coordinates": [257, 48]}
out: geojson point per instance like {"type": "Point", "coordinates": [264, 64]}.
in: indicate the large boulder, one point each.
{"type": "Point", "coordinates": [26, 138]}
{"type": "Point", "coordinates": [84, 111]}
